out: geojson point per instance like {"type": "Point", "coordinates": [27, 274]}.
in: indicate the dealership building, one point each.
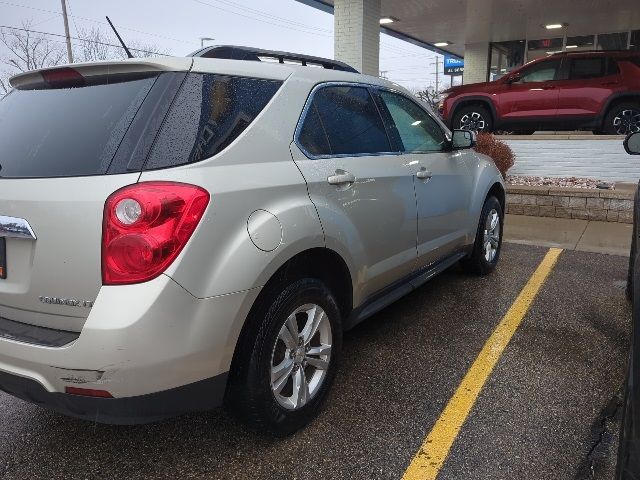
{"type": "Point", "coordinates": [493, 36]}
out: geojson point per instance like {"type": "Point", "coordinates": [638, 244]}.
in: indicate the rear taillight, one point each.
{"type": "Point", "coordinates": [145, 227]}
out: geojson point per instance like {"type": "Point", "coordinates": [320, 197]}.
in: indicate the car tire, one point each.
{"type": "Point", "coordinates": [488, 243]}
{"type": "Point", "coordinates": [473, 117]}
{"type": "Point", "coordinates": [632, 257]}
{"type": "Point", "coordinates": [259, 395]}
{"type": "Point", "coordinates": [622, 119]}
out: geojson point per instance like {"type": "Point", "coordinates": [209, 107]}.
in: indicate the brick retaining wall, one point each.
{"type": "Point", "coordinates": [582, 203]}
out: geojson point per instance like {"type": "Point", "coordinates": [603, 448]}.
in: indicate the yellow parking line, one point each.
{"type": "Point", "coordinates": [433, 452]}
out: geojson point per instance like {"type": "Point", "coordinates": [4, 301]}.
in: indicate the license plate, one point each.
{"type": "Point", "coordinates": [3, 257]}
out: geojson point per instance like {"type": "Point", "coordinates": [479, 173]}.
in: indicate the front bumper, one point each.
{"type": "Point", "coordinates": [140, 343]}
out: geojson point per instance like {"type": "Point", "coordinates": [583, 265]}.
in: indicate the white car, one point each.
{"type": "Point", "coordinates": [177, 232]}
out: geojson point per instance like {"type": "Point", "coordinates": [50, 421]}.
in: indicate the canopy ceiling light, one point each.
{"type": "Point", "coordinates": [386, 20]}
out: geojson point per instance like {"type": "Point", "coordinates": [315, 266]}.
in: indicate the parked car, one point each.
{"type": "Point", "coordinates": [598, 91]}
{"type": "Point", "coordinates": [178, 232]}
{"type": "Point", "coordinates": [628, 465]}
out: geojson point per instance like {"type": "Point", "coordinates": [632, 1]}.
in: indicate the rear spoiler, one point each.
{"type": "Point", "coordinates": [81, 74]}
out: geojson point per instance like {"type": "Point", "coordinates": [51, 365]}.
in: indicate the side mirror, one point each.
{"type": "Point", "coordinates": [514, 78]}
{"type": "Point", "coordinates": [632, 143]}
{"type": "Point", "coordinates": [463, 139]}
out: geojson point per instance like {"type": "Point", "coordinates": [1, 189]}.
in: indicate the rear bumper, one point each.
{"type": "Point", "coordinates": [156, 349]}
{"type": "Point", "coordinates": [198, 396]}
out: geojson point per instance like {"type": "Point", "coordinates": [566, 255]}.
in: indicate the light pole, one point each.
{"type": "Point", "coordinates": [202, 40]}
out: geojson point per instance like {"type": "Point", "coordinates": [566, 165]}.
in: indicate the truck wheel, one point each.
{"type": "Point", "coordinates": [622, 119]}
{"type": "Point", "coordinates": [286, 368]}
{"type": "Point", "coordinates": [473, 117]}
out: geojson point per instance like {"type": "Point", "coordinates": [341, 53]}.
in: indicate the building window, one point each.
{"type": "Point", "coordinates": [505, 56]}
{"type": "Point", "coordinates": [613, 41]}
{"type": "Point", "coordinates": [544, 47]}
{"type": "Point", "coordinates": [635, 40]}
{"type": "Point", "coordinates": [582, 42]}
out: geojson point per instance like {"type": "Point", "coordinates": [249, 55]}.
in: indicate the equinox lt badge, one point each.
{"type": "Point", "coordinates": [70, 302]}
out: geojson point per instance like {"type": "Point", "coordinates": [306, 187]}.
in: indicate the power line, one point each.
{"type": "Point", "coordinates": [261, 20]}
{"type": "Point", "coordinates": [80, 39]}
{"type": "Point", "coordinates": [95, 21]}
{"type": "Point", "coordinates": [270, 15]}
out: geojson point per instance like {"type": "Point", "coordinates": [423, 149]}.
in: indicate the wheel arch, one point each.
{"type": "Point", "coordinates": [473, 100]}
{"type": "Point", "coordinates": [318, 262]}
{"type": "Point", "coordinates": [497, 190]}
{"type": "Point", "coordinates": [616, 100]}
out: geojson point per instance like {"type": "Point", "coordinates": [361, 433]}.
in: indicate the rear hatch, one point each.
{"type": "Point", "coordinates": [69, 138]}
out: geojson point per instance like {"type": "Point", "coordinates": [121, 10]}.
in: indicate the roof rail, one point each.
{"type": "Point", "coordinates": [594, 51]}
{"type": "Point", "coordinates": [231, 52]}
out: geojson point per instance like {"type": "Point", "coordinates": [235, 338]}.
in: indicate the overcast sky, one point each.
{"type": "Point", "coordinates": [177, 25]}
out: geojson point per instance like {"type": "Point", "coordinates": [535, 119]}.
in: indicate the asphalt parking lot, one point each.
{"type": "Point", "coordinates": [538, 416]}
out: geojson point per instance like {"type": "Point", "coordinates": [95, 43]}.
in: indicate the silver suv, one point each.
{"type": "Point", "coordinates": [177, 233]}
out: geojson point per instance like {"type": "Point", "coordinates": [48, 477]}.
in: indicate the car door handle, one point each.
{"type": "Point", "coordinates": [341, 177]}
{"type": "Point", "coordinates": [548, 87]}
{"type": "Point", "coordinates": [424, 174]}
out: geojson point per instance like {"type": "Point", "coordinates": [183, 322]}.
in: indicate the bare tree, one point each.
{"type": "Point", "coordinates": [26, 50]}
{"type": "Point", "coordinates": [430, 96]}
{"type": "Point", "coordinates": [95, 45]}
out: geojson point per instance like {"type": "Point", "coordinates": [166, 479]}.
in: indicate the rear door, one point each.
{"type": "Point", "coordinates": [590, 81]}
{"type": "Point", "coordinates": [443, 180]}
{"type": "Point", "coordinates": [66, 143]}
{"type": "Point", "coordinates": [534, 96]}
{"type": "Point", "coordinates": [363, 191]}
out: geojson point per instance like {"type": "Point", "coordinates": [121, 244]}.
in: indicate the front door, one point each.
{"type": "Point", "coordinates": [443, 180]}
{"type": "Point", "coordinates": [534, 96]}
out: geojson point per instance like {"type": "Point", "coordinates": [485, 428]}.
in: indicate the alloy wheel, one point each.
{"type": "Point", "coordinates": [472, 121]}
{"type": "Point", "coordinates": [301, 356]}
{"type": "Point", "coordinates": [491, 236]}
{"type": "Point", "coordinates": [627, 121]}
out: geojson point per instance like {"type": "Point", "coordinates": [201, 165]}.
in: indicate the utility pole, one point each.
{"type": "Point", "coordinates": [202, 40]}
{"type": "Point", "coordinates": [437, 63]}
{"type": "Point", "coordinates": [66, 30]}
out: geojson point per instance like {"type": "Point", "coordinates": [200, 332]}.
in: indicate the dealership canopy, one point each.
{"type": "Point", "coordinates": [493, 36]}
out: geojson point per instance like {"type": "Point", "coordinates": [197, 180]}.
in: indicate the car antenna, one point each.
{"type": "Point", "coordinates": [120, 39]}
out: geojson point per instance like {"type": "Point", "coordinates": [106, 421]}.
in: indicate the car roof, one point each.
{"type": "Point", "coordinates": [244, 68]}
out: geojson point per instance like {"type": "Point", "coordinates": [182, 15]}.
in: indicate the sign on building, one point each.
{"type": "Point", "coordinates": [453, 66]}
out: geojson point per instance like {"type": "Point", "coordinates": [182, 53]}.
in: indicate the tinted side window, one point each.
{"type": "Point", "coordinates": [585, 68]}
{"type": "Point", "coordinates": [312, 134]}
{"type": "Point", "coordinates": [417, 130]}
{"type": "Point", "coordinates": [541, 72]}
{"type": "Point", "coordinates": [351, 121]}
{"type": "Point", "coordinates": [612, 67]}
{"type": "Point", "coordinates": [209, 113]}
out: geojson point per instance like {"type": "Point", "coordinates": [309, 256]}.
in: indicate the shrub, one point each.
{"type": "Point", "coordinates": [498, 151]}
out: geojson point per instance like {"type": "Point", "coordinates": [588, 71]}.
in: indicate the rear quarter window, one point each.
{"type": "Point", "coordinates": [209, 113]}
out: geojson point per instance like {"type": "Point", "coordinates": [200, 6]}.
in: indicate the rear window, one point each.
{"type": "Point", "coordinates": [209, 113]}
{"type": "Point", "coordinates": [64, 132]}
